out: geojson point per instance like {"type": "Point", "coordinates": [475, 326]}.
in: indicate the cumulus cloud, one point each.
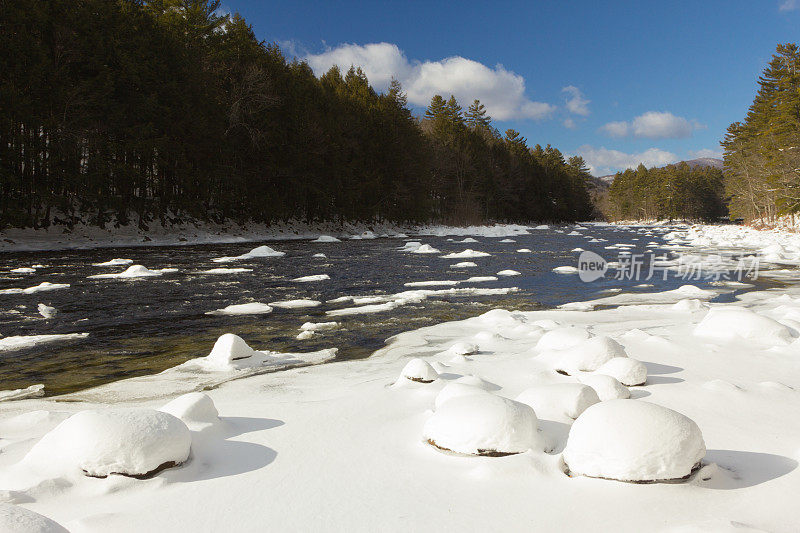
{"type": "Point", "coordinates": [789, 5]}
{"type": "Point", "coordinates": [569, 123]}
{"type": "Point", "coordinates": [603, 161]}
{"type": "Point", "coordinates": [653, 125]}
{"type": "Point", "coordinates": [500, 90]}
{"type": "Point", "coordinates": [576, 102]}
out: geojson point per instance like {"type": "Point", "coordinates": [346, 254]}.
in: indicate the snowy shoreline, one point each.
{"type": "Point", "coordinates": [344, 445]}
{"type": "Point", "coordinates": [84, 237]}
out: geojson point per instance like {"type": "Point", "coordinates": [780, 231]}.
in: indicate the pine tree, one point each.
{"type": "Point", "coordinates": [476, 116]}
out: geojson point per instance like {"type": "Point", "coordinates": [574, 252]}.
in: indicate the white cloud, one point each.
{"type": "Point", "coordinates": [603, 161]}
{"type": "Point", "coordinates": [569, 123]}
{"type": "Point", "coordinates": [789, 5]}
{"type": "Point", "coordinates": [705, 152]}
{"type": "Point", "coordinates": [500, 90]}
{"type": "Point", "coordinates": [576, 102]}
{"type": "Point", "coordinates": [653, 125]}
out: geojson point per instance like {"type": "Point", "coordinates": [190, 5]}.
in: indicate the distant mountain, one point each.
{"type": "Point", "coordinates": [605, 181]}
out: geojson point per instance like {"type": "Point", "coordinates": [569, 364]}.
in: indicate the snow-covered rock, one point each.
{"type": "Point", "coordinates": [132, 442]}
{"type": "Point", "coordinates": [425, 249]}
{"type": "Point", "coordinates": [565, 270]}
{"type": "Point", "coordinates": [229, 348]}
{"type": "Point", "coordinates": [252, 308]}
{"type": "Point", "coordinates": [114, 262]}
{"type": "Point", "coordinates": [295, 304]}
{"type": "Point", "coordinates": [259, 251]}
{"type": "Point", "coordinates": [627, 371]}
{"type": "Point", "coordinates": [606, 387]}
{"type": "Point", "coordinates": [326, 238]}
{"type": "Point", "coordinates": [524, 251]}
{"type": "Point", "coordinates": [195, 409]}
{"type": "Point", "coordinates": [483, 424]}
{"type": "Point", "coordinates": [419, 371]}
{"type": "Point", "coordinates": [456, 390]}
{"type": "Point", "coordinates": [632, 440]}
{"type": "Point", "coordinates": [42, 287]}
{"type": "Point", "coordinates": [16, 519]}
{"type": "Point", "coordinates": [464, 264]}
{"type": "Point", "coordinates": [466, 254]}
{"type": "Point", "coordinates": [588, 355]}
{"type": "Point", "coordinates": [46, 311]}
{"type": "Point", "coordinates": [508, 273]}
{"type": "Point", "coordinates": [732, 322]}
{"type": "Point", "coordinates": [314, 277]}
{"type": "Point", "coordinates": [34, 391]}
{"type": "Point", "coordinates": [20, 342]}
{"type": "Point", "coordinates": [463, 348]}
{"type": "Point", "coordinates": [319, 326]}
{"type": "Point", "coordinates": [562, 338]}
{"type": "Point", "coordinates": [557, 400]}
{"type": "Point", "coordinates": [135, 271]}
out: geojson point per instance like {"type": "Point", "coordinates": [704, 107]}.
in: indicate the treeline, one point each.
{"type": "Point", "coordinates": [130, 110]}
{"type": "Point", "coordinates": [673, 192]}
{"type": "Point", "coordinates": [762, 153]}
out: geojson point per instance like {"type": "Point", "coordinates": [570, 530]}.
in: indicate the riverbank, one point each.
{"type": "Point", "coordinates": [86, 237]}
{"type": "Point", "coordinates": [343, 446]}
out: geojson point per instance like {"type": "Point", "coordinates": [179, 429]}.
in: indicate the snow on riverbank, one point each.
{"type": "Point", "coordinates": [344, 446]}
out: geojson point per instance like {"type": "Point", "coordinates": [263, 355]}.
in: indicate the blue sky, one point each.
{"type": "Point", "coordinates": [617, 82]}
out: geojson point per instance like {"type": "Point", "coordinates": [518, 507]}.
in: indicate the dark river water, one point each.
{"type": "Point", "coordinates": [142, 326]}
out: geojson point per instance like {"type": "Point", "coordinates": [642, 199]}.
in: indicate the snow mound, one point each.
{"type": "Point", "coordinates": [252, 308]}
{"type": "Point", "coordinates": [690, 305]}
{"type": "Point", "coordinates": [419, 371]}
{"type": "Point", "coordinates": [509, 273]}
{"type": "Point", "coordinates": [565, 270]}
{"type": "Point", "coordinates": [16, 519]}
{"type": "Point", "coordinates": [114, 262]}
{"type": "Point", "coordinates": [425, 249]}
{"type": "Point", "coordinates": [562, 338]}
{"type": "Point", "coordinates": [483, 424]}
{"type": "Point", "coordinates": [464, 264]}
{"type": "Point", "coordinates": [320, 255]}
{"type": "Point", "coordinates": [260, 251]}
{"type": "Point", "coordinates": [631, 440]}
{"type": "Point", "coordinates": [195, 409]}
{"type": "Point", "coordinates": [315, 277]}
{"type": "Point", "coordinates": [524, 251]}
{"type": "Point", "coordinates": [629, 372]}
{"type": "Point", "coordinates": [589, 355]}
{"type": "Point", "coordinates": [557, 400]}
{"type": "Point", "coordinates": [410, 246]}
{"type": "Point", "coordinates": [326, 238]}
{"type": "Point", "coordinates": [456, 390]}
{"type": "Point", "coordinates": [606, 387]}
{"type": "Point", "coordinates": [731, 323]}
{"type": "Point", "coordinates": [466, 254]}
{"type": "Point", "coordinates": [132, 442]}
{"type": "Point", "coordinates": [463, 348]}
{"type": "Point", "coordinates": [135, 271]}
{"type": "Point", "coordinates": [20, 342]}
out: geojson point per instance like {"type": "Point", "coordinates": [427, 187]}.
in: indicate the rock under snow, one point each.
{"type": "Point", "coordinates": [483, 424]}
{"type": "Point", "coordinates": [557, 400]}
{"type": "Point", "coordinates": [562, 338]}
{"type": "Point", "coordinates": [132, 442]}
{"type": "Point", "coordinates": [326, 238]}
{"type": "Point", "coordinates": [46, 311]}
{"type": "Point", "coordinates": [419, 371]}
{"type": "Point", "coordinates": [632, 440]}
{"type": "Point", "coordinates": [425, 249]}
{"type": "Point", "coordinates": [260, 251]}
{"type": "Point", "coordinates": [731, 322]}
{"type": "Point", "coordinates": [606, 387]}
{"type": "Point", "coordinates": [229, 348]}
{"type": "Point", "coordinates": [589, 355]}
{"type": "Point", "coordinates": [456, 390]}
{"type": "Point", "coordinates": [195, 409]}
{"type": "Point", "coordinates": [16, 519]}
{"type": "Point", "coordinates": [464, 264]}
{"type": "Point", "coordinates": [464, 348]}
{"type": "Point", "coordinates": [627, 371]}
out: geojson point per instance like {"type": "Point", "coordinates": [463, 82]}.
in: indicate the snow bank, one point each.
{"type": "Point", "coordinates": [33, 391]}
{"type": "Point", "coordinates": [631, 440]}
{"type": "Point", "coordinates": [483, 424]}
{"type": "Point", "coordinates": [20, 342]}
{"type": "Point", "coordinates": [131, 442]}
{"type": "Point", "coordinates": [260, 251]}
{"type": "Point", "coordinates": [559, 399]}
{"type": "Point", "coordinates": [252, 308]}
{"type": "Point", "coordinates": [135, 271]}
